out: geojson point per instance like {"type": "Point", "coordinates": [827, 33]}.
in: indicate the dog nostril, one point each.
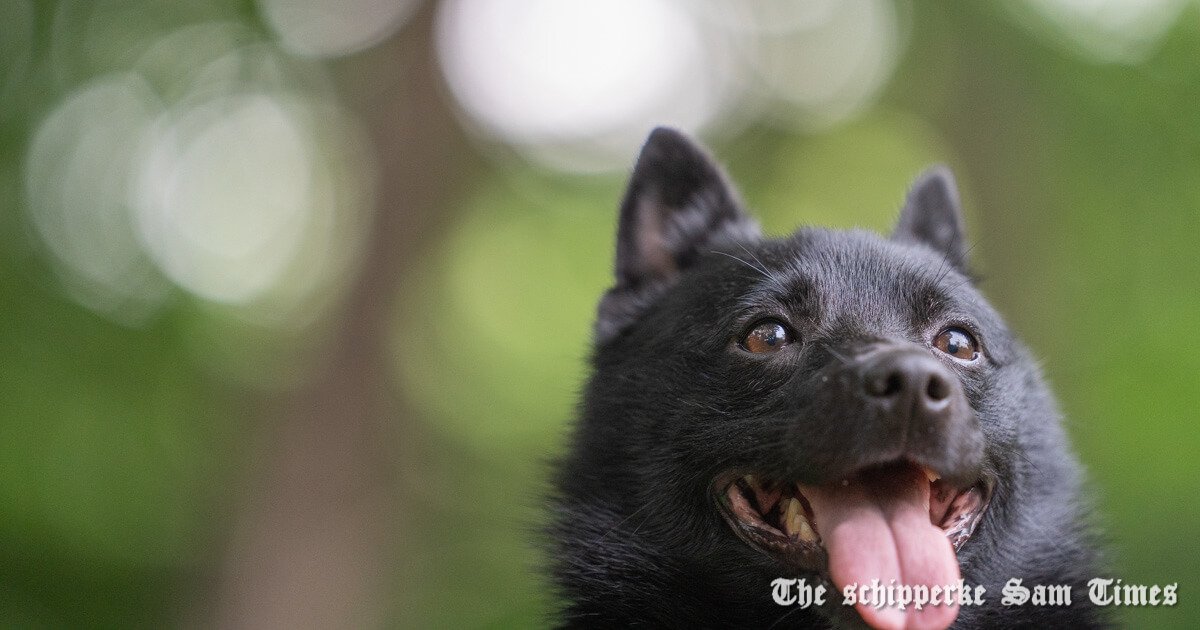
{"type": "Point", "coordinates": [889, 384]}
{"type": "Point", "coordinates": [938, 388]}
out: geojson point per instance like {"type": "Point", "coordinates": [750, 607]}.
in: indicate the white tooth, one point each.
{"type": "Point", "coordinates": [791, 507]}
{"type": "Point", "coordinates": [792, 516]}
{"type": "Point", "coordinates": [796, 523]}
{"type": "Point", "coordinates": [806, 531]}
{"type": "Point", "coordinates": [932, 475]}
{"type": "Point", "coordinates": [749, 479]}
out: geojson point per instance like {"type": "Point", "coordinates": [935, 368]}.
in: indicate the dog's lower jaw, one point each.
{"type": "Point", "coordinates": [777, 518]}
{"type": "Point", "coordinates": [869, 520]}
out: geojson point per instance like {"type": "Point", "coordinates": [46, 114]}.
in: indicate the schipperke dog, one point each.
{"type": "Point", "coordinates": [831, 406]}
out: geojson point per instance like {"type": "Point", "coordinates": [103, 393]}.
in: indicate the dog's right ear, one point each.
{"type": "Point", "coordinates": [678, 206]}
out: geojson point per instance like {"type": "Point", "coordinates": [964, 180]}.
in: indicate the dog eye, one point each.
{"type": "Point", "coordinates": [767, 337]}
{"type": "Point", "coordinates": [957, 343]}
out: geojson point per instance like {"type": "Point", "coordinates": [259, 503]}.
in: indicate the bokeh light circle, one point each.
{"type": "Point", "coordinates": [334, 28]}
{"type": "Point", "coordinates": [78, 172]}
{"type": "Point", "coordinates": [813, 63]}
{"type": "Point", "coordinates": [595, 76]}
{"type": "Point", "coordinates": [223, 196]}
{"type": "Point", "coordinates": [1105, 31]}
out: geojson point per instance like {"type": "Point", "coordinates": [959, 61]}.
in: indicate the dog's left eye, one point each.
{"type": "Point", "coordinates": [957, 343]}
{"type": "Point", "coordinates": [770, 336]}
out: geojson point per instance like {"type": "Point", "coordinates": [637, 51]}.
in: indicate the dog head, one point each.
{"type": "Point", "coordinates": [831, 404]}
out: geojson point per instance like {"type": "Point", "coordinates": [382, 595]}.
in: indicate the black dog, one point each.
{"type": "Point", "coordinates": [833, 406]}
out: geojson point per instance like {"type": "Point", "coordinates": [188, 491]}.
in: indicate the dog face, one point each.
{"type": "Point", "coordinates": [829, 404]}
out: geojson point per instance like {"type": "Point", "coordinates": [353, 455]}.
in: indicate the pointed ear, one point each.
{"type": "Point", "coordinates": [932, 216]}
{"type": "Point", "coordinates": [678, 206]}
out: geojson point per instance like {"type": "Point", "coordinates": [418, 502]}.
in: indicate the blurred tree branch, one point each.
{"type": "Point", "coordinates": [312, 546]}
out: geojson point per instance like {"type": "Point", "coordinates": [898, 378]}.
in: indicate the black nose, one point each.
{"type": "Point", "coordinates": [884, 402]}
{"type": "Point", "coordinates": [909, 382]}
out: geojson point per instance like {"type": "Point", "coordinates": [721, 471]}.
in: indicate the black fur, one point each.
{"type": "Point", "coordinates": [674, 403]}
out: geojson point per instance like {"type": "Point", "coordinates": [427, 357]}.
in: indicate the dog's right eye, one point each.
{"type": "Point", "coordinates": [769, 336]}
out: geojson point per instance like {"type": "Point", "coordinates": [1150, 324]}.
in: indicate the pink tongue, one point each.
{"type": "Point", "coordinates": [876, 527]}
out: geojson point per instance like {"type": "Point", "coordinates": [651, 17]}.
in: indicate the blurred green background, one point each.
{"type": "Point", "coordinates": [295, 294]}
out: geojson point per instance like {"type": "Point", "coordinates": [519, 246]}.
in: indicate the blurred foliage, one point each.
{"type": "Point", "coordinates": [122, 449]}
{"type": "Point", "coordinates": [504, 305]}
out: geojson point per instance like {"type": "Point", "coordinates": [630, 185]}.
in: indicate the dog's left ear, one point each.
{"type": "Point", "coordinates": [679, 206]}
{"type": "Point", "coordinates": [932, 216]}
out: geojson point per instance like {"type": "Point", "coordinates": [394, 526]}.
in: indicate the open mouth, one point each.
{"type": "Point", "coordinates": [785, 520]}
